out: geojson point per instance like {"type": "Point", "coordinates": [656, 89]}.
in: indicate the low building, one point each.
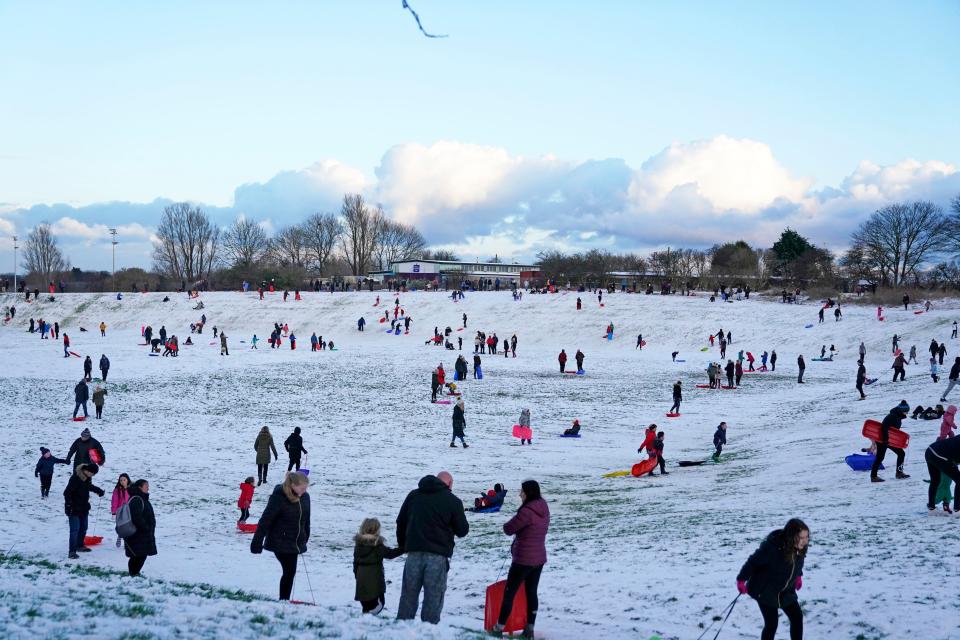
{"type": "Point", "coordinates": [445, 272]}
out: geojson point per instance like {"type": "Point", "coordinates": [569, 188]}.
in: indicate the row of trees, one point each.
{"type": "Point", "coordinates": [361, 238]}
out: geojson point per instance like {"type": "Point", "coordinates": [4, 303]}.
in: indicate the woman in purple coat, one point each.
{"type": "Point", "coordinates": [529, 551]}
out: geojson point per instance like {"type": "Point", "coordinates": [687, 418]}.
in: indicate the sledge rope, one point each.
{"type": "Point", "coordinates": [728, 610]}
{"type": "Point", "coordinates": [313, 598]}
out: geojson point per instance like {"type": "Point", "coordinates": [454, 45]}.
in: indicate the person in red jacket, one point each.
{"type": "Point", "coordinates": [246, 499]}
{"type": "Point", "coordinates": [529, 550]}
{"type": "Point", "coordinates": [562, 359]}
{"type": "Point", "coordinates": [66, 346]}
{"type": "Point", "coordinates": [648, 437]}
{"type": "Point", "coordinates": [441, 376]}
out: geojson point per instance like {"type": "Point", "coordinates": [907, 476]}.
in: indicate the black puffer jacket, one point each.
{"type": "Point", "coordinates": [76, 496]}
{"type": "Point", "coordinates": [771, 577]}
{"type": "Point", "coordinates": [144, 541]}
{"type": "Point", "coordinates": [284, 526]}
{"type": "Point", "coordinates": [430, 517]}
{"type": "Point", "coordinates": [81, 449]}
{"type": "Point", "coordinates": [294, 445]}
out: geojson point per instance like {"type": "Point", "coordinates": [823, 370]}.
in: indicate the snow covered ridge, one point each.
{"type": "Point", "coordinates": [92, 601]}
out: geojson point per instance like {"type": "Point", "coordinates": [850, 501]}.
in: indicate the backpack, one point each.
{"type": "Point", "coordinates": [125, 527]}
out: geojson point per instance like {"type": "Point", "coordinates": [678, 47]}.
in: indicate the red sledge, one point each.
{"type": "Point", "coordinates": [91, 541]}
{"type": "Point", "coordinates": [673, 415]}
{"type": "Point", "coordinates": [703, 386]}
{"type": "Point", "coordinates": [491, 610]}
{"type": "Point", "coordinates": [641, 468]}
{"type": "Point", "coordinates": [79, 418]}
{"type": "Point", "coordinates": [441, 402]}
{"type": "Point", "coordinates": [74, 354]}
{"type": "Point", "coordinates": [524, 433]}
{"type": "Point", "coordinates": [916, 313]}
{"type": "Point", "coordinates": [897, 438]}
{"type": "Point", "coordinates": [244, 527]}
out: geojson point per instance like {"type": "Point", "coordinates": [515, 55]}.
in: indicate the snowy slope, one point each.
{"type": "Point", "coordinates": [626, 556]}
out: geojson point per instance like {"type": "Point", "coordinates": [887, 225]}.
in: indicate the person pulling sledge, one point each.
{"type": "Point", "coordinates": [893, 420]}
{"type": "Point", "coordinates": [525, 422]}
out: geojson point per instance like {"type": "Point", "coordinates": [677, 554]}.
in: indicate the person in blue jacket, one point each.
{"type": "Point", "coordinates": [719, 439]}
{"type": "Point", "coordinates": [44, 470]}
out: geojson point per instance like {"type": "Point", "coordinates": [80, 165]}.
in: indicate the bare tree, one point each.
{"type": "Point", "coordinates": [321, 231]}
{"type": "Point", "coordinates": [438, 254]}
{"type": "Point", "coordinates": [397, 241]}
{"type": "Point", "coordinates": [288, 248]}
{"type": "Point", "coordinates": [361, 227]}
{"type": "Point", "coordinates": [41, 255]}
{"type": "Point", "coordinates": [900, 237]}
{"type": "Point", "coordinates": [187, 243]}
{"type": "Point", "coordinates": [245, 243]}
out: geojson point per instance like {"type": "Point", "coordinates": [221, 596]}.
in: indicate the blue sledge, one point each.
{"type": "Point", "coordinates": [569, 435]}
{"type": "Point", "coordinates": [861, 461]}
{"type": "Point", "coordinates": [580, 372]}
{"type": "Point", "coordinates": [808, 326]}
{"type": "Point", "coordinates": [494, 509]}
{"type": "Point", "coordinates": [679, 360]}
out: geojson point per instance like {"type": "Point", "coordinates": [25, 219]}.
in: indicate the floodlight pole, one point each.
{"type": "Point", "coordinates": [113, 273]}
{"type": "Point", "coordinates": [14, 265]}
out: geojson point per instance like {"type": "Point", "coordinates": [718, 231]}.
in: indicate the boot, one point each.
{"type": "Point", "coordinates": [497, 630]}
{"type": "Point", "coordinates": [527, 631]}
{"type": "Point", "coordinates": [465, 445]}
{"type": "Point", "coordinates": [946, 507]}
{"type": "Point", "coordinates": [453, 444]}
{"type": "Point", "coordinates": [73, 555]}
{"type": "Point", "coordinates": [875, 479]}
{"type": "Point", "coordinates": [901, 475]}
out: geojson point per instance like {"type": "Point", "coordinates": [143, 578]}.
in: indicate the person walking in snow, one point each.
{"type": "Point", "coordinates": [245, 501]}
{"type": "Point", "coordinates": [525, 422]}
{"type": "Point", "coordinates": [677, 398]}
{"type": "Point", "coordinates": [529, 553]}
{"type": "Point", "coordinates": [657, 447]}
{"type": "Point", "coordinates": [579, 358]}
{"type": "Point", "coordinates": [435, 384]}
{"type": "Point", "coordinates": [820, 315]}
{"type": "Point", "coordinates": [730, 370]}
{"type": "Point", "coordinates": [76, 505]}
{"type": "Point", "coordinates": [562, 359]}
{"type": "Point", "coordinates": [942, 352]}
{"type": "Point", "coordinates": [862, 351]}
{"type": "Point", "coordinates": [263, 445]}
{"type": "Point", "coordinates": [773, 574]}
{"type": "Point", "coordinates": [44, 470]}
{"type": "Point", "coordinates": [801, 366]}
{"type": "Point", "coordinates": [369, 552]}
{"type": "Point", "coordinates": [513, 345]}
{"type": "Point", "coordinates": [952, 379]}
{"type": "Point", "coordinates": [86, 449]}
{"type": "Point", "coordinates": [773, 360]}
{"type": "Point", "coordinates": [284, 527]}
{"type": "Point", "coordinates": [836, 314]}
{"type": "Point", "coordinates": [88, 369]}
{"type": "Point", "coordinates": [104, 367]}
{"type": "Point", "coordinates": [120, 497]}
{"type": "Point", "coordinates": [942, 458]}
{"type": "Point", "coordinates": [224, 351]}
{"type": "Point", "coordinates": [295, 449]}
{"type": "Point", "coordinates": [66, 346]}
{"type": "Point", "coordinates": [99, 397]}
{"type": "Point", "coordinates": [899, 364]}
{"type": "Point", "coordinates": [430, 517]}
{"type": "Point", "coordinates": [738, 370]}
{"type": "Point", "coordinates": [896, 343]}
{"type": "Point", "coordinates": [913, 355]}
{"type": "Point", "coordinates": [893, 420]}
{"type": "Point", "coordinates": [861, 378]}
{"type": "Point", "coordinates": [459, 424]}
{"type": "Point", "coordinates": [81, 394]}
{"type": "Point", "coordinates": [719, 439]}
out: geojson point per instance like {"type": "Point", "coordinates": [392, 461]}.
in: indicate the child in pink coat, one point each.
{"type": "Point", "coordinates": [120, 497]}
{"type": "Point", "coordinates": [947, 426]}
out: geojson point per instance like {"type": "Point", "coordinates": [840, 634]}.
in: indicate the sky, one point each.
{"type": "Point", "coordinates": [534, 125]}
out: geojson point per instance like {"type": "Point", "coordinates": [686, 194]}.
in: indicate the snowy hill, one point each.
{"type": "Point", "coordinates": [626, 556]}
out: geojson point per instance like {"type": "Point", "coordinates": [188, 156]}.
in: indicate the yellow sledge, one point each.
{"type": "Point", "coordinates": [616, 474]}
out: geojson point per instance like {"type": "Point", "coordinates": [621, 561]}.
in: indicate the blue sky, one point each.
{"type": "Point", "coordinates": [128, 102]}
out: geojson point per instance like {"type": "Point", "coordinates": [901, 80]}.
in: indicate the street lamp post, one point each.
{"type": "Point", "coordinates": [14, 264]}
{"type": "Point", "coordinates": [113, 272]}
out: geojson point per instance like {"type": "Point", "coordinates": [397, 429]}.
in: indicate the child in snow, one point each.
{"type": "Point", "coordinates": [525, 422]}
{"type": "Point", "coordinates": [369, 552]}
{"type": "Point", "coordinates": [719, 439]}
{"type": "Point", "coordinates": [119, 498]}
{"type": "Point", "coordinates": [253, 341]}
{"type": "Point", "coordinates": [944, 494]}
{"type": "Point", "coordinates": [574, 430]}
{"type": "Point", "coordinates": [934, 370]}
{"type": "Point", "coordinates": [491, 498]}
{"type": "Point", "coordinates": [44, 470]}
{"type": "Point", "coordinates": [246, 499]}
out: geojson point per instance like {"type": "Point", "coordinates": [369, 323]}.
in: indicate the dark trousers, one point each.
{"type": "Point", "coordinates": [739, 375]}
{"type": "Point", "coordinates": [716, 454]}
{"type": "Point", "coordinates": [881, 452]}
{"type": "Point", "coordinates": [99, 410]}
{"type": "Point", "coordinates": [78, 530]}
{"type": "Point", "coordinates": [288, 562]}
{"type": "Point", "coordinates": [77, 408]}
{"type": "Point", "coordinates": [134, 565]}
{"type": "Point", "coordinates": [773, 365]}
{"type": "Point", "coordinates": [435, 388]}
{"type": "Point", "coordinates": [530, 578]}
{"type": "Point", "coordinates": [899, 372]}
{"type": "Point", "coordinates": [800, 376]}
{"type": "Point", "coordinates": [938, 467]}
{"type": "Point", "coordinates": [770, 621]}
{"type": "Point", "coordinates": [730, 380]}
{"type": "Point", "coordinates": [294, 462]}
{"type": "Point", "coordinates": [103, 374]}
{"type": "Point", "coordinates": [563, 365]}
{"type": "Point", "coordinates": [675, 407]}
{"type": "Point", "coordinates": [45, 482]}
{"type": "Point", "coordinates": [244, 514]}
{"type": "Point", "coordinates": [860, 388]}
{"type": "Point", "coordinates": [262, 473]}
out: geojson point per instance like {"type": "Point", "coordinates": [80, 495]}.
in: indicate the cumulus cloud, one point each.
{"type": "Point", "coordinates": [482, 200]}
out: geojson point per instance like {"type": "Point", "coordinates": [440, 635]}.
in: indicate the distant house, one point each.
{"type": "Point", "coordinates": [446, 272]}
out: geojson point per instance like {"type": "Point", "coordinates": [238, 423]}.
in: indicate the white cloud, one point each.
{"type": "Point", "coordinates": [871, 181]}
{"type": "Point", "coordinates": [72, 228]}
{"type": "Point", "coordinates": [726, 174]}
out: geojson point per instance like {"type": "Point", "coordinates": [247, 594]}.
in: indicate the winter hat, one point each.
{"type": "Point", "coordinates": [91, 467]}
{"type": "Point", "coordinates": [85, 433]}
{"type": "Point", "coordinates": [44, 451]}
{"type": "Point", "coordinates": [296, 429]}
{"type": "Point", "coordinates": [903, 407]}
{"type": "Point", "coordinates": [951, 410]}
{"type": "Point", "coordinates": [531, 488]}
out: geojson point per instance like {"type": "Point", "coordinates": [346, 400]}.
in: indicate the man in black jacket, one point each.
{"type": "Point", "coordinates": [294, 446]}
{"type": "Point", "coordinates": [429, 519]}
{"type": "Point", "coordinates": [894, 420]}
{"type": "Point", "coordinates": [104, 366]}
{"type": "Point", "coordinates": [434, 385]}
{"type": "Point", "coordinates": [76, 505]}
{"type": "Point", "coordinates": [82, 447]}
{"type": "Point", "coordinates": [677, 397]}
{"type": "Point", "coordinates": [861, 377]}
{"type": "Point", "coordinates": [81, 394]}
{"type": "Point", "coordinates": [953, 378]}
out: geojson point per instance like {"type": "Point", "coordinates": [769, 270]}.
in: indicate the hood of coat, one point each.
{"type": "Point", "coordinates": [951, 410]}
{"type": "Point", "coordinates": [287, 492]}
{"type": "Point", "coordinates": [368, 539]}
{"type": "Point", "coordinates": [431, 484]}
{"type": "Point", "coordinates": [538, 506]}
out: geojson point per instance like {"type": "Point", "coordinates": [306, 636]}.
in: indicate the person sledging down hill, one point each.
{"type": "Point", "coordinates": [773, 574]}
{"type": "Point", "coordinates": [894, 420]}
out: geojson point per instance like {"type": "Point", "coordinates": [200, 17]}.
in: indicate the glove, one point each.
{"type": "Point", "coordinates": [798, 583]}
{"type": "Point", "coordinates": [100, 492]}
{"type": "Point", "coordinates": [256, 549]}
{"type": "Point", "coordinates": [742, 586]}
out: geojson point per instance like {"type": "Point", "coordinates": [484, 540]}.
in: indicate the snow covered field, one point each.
{"type": "Point", "coordinates": [627, 557]}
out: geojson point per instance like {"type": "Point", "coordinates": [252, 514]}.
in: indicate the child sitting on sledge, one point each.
{"type": "Point", "coordinates": [491, 498]}
{"type": "Point", "coordinates": [574, 430]}
{"type": "Point", "coordinates": [369, 552]}
{"type": "Point", "coordinates": [246, 499]}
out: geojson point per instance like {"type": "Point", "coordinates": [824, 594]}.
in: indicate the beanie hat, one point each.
{"type": "Point", "coordinates": [44, 451]}
{"type": "Point", "coordinates": [903, 407]}
{"type": "Point", "coordinates": [91, 467]}
{"type": "Point", "coordinates": [296, 429]}
{"type": "Point", "coordinates": [85, 433]}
